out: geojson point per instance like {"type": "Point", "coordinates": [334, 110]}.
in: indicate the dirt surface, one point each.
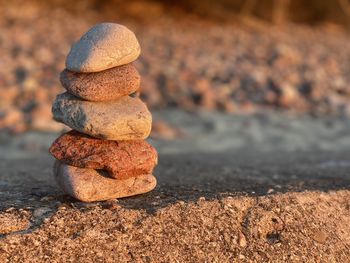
{"type": "Point", "coordinates": [249, 202]}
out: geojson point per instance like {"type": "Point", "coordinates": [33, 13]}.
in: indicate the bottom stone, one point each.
{"type": "Point", "coordinates": [89, 185]}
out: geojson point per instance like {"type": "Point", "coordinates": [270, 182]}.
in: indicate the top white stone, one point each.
{"type": "Point", "coordinates": [104, 46]}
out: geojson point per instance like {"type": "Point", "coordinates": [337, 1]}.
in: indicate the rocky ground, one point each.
{"type": "Point", "coordinates": [255, 188]}
{"type": "Point", "coordinates": [187, 61]}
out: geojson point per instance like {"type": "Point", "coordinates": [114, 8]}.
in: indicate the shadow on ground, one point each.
{"type": "Point", "coordinates": [28, 183]}
{"type": "Point", "coordinates": [188, 177]}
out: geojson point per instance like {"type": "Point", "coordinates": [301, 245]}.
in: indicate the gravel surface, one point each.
{"type": "Point", "coordinates": [186, 61]}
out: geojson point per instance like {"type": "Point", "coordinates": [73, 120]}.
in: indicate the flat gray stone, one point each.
{"type": "Point", "coordinates": [125, 119]}
{"type": "Point", "coordinates": [104, 46]}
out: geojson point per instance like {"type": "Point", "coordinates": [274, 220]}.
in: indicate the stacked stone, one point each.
{"type": "Point", "coordinates": [105, 156]}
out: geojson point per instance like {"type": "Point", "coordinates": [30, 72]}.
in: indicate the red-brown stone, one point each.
{"type": "Point", "coordinates": [121, 159]}
{"type": "Point", "coordinates": [107, 85]}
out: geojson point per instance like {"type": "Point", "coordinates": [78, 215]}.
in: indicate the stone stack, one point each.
{"type": "Point", "coordinates": [105, 156]}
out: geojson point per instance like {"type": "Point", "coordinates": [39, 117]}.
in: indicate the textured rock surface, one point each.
{"type": "Point", "coordinates": [106, 85]}
{"type": "Point", "coordinates": [121, 159]}
{"type": "Point", "coordinates": [13, 221]}
{"type": "Point", "coordinates": [125, 119]}
{"type": "Point", "coordinates": [104, 46]}
{"type": "Point", "coordinates": [89, 185]}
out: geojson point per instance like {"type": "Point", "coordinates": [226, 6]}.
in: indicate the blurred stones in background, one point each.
{"type": "Point", "coordinates": [231, 56]}
{"type": "Point", "coordinates": [273, 11]}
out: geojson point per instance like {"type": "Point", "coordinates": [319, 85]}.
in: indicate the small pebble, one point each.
{"type": "Point", "coordinates": [39, 212]}
{"type": "Point", "coordinates": [242, 240]}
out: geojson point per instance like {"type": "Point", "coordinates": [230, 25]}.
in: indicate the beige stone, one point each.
{"type": "Point", "coordinates": [125, 119]}
{"type": "Point", "coordinates": [89, 185]}
{"type": "Point", "coordinates": [104, 46]}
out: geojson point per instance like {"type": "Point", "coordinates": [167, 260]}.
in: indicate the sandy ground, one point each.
{"type": "Point", "coordinates": [232, 189]}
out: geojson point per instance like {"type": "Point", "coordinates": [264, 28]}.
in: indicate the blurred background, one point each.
{"type": "Point", "coordinates": [229, 57]}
